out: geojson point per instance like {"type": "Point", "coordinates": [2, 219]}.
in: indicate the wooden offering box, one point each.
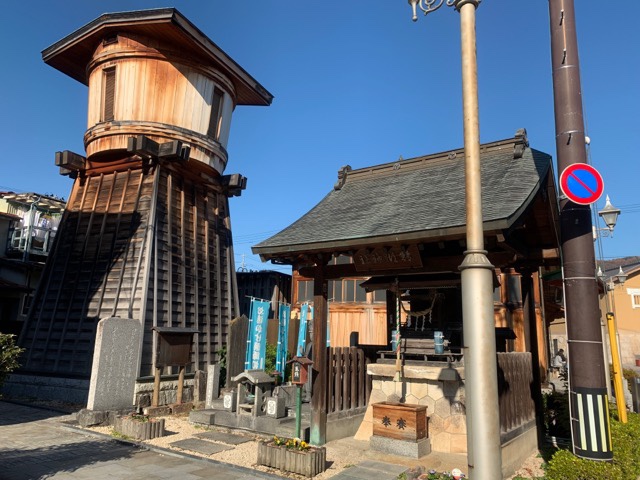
{"type": "Point", "coordinates": [400, 421]}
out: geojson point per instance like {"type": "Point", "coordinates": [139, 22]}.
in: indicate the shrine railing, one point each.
{"type": "Point", "coordinates": [348, 385]}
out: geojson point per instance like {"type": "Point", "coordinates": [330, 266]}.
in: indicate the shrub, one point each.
{"type": "Point", "coordinates": [9, 354]}
{"type": "Point", "coordinates": [626, 457]}
{"type": "Point", "coordinates": [566, 466]}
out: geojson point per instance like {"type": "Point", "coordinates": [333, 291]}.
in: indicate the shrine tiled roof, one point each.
{"type": "Point", "coordinates": [416, 198]}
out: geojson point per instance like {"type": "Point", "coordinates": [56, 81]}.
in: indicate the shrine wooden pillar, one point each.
{"type": "Point", "coordinates": [318, 434]}
{"type": "Point", "coordinates": [531, 321]}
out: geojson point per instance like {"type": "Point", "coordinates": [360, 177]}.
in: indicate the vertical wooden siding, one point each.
{"type": "Point", "coordinates": [515, 377]}
{"type": "Point", "coordinates": [91, 273]}
{"type": "Point", "coordinates": [369, 320]}
{"type": "Point", "coordinates": [147, 245]}
{"type": "Point", "coordinates": [348, 385]}
{"type": "Point", "coordinates": [190, 285]}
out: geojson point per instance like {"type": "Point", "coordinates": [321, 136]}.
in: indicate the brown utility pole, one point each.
{"type": "Point", "coordinates": [587, 382]}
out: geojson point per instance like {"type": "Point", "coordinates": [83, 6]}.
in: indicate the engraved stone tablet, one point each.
{"type": "Point", "coordinates": [115, 364]}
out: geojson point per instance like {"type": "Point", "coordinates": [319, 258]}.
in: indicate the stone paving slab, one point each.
{"type": "Point", "coordinates": [200, 446]}
{"type": "Point", "coordinates": [228, 438]}
{"type": "Point", "coordinates": [35, 444]}
{"type": "Point", "coordinates": [371, 470]}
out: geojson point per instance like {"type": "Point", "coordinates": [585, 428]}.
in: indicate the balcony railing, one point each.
{"type": "Point", "coordinates": [31, 240]}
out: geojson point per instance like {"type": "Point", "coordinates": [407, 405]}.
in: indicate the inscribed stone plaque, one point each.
{"type": "Point", "coordinates": [115, 364]}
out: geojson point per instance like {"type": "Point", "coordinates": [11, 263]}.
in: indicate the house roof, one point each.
{"type": "Point", "coordinates": [39, 201]}
{"type": "Point", "coordinates": [418, 198]}
{"type": "Point", "coordinates": [72, 54]}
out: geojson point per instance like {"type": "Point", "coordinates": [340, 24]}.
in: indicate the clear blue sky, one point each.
{"type": "Point", "coordinates": [355, 83]}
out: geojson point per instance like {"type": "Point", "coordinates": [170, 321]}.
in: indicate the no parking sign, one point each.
{"type": "Point", "coordinates": [581, 183]}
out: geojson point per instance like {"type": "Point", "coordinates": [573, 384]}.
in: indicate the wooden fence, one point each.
{"type": "Point", "coordinates": [348, 385]}
{"type": "Point", "coordinates": [515, 388]}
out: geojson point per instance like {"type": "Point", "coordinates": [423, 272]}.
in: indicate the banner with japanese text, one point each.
{"type": "Point", "coordinates": [283, 335]}
{"type": "Point", "coordinates": [302, 332]}
{"type": "Point", "coordinates": [257, 337]}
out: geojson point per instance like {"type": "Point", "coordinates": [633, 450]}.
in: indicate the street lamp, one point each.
{"type": "Point", "coordinates": [614, 342]}
{"type": "Point", "coordinates": [481, 386]}
{"type": "Point", "coordinates": [609, 215]}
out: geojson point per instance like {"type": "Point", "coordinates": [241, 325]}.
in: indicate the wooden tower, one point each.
{"type": "Point", "coordinates": [146, 234]}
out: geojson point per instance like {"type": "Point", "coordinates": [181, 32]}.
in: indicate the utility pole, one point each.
{"type": "Point", "coordinates": [587, 382]}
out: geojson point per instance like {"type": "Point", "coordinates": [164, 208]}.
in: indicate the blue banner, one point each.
{"type": "Point", "coordinates": [283, 337]}
{"type": "Point", "coordinates": [302, 332]}
{"type": "Point", "coordinates": [257, 337]}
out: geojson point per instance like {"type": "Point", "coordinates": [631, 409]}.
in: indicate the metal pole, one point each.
{"type": "Point", "coordinates": [298, 410]}
{"type": "Point", "coordinates": [617, 369]}
{"type": "Point", "coordinates": [483, 423]}
{"type": "Point", "coordinates": [587, 384]}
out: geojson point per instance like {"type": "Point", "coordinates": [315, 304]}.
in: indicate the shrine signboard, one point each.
{"type": "Point", "coordinates": [385, 258]}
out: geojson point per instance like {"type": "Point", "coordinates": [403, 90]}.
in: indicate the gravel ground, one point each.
{"type": "Point", "coordinates": [532, 468]}
{"type": "Point", "coordinates": [340, 455]}
{"type": "Point", "coordinates": [245, 454]}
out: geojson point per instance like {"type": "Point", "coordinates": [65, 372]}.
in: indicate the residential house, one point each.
{"type": "Point", "coordinates": [28, 225]}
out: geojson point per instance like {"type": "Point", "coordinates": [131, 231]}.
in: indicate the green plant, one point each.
{"type": "Point", "coordinates": [291, 443]}
{"type": "Point", "coordinates": [119, 435]}
{"type": "Point", "coordinates": [626, 456]}
{"type": "Point", "coordinates": [270, 358]}
{"type": "Point", "coordinates": [9, 354]}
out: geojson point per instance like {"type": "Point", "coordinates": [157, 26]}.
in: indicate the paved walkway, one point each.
{"type": "Point", "coordinates": [36, 444]}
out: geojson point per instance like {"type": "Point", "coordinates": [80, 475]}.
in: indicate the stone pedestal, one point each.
{"type": "Point", "coordinates": [404, 448]}
{"type": "Point", "coordinates": [275, 407]}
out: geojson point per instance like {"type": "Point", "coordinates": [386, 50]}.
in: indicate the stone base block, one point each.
{"type": "Point", "coordinates": [181, 408]}
{"type": "Point", "coordinates": [203, 417]}
{"type": "Point", "coordinates": [160, 411]}
{"type": "Point", "coordinates": [403, 448]}
{"type": "Point", "coordinates": [89, 418]}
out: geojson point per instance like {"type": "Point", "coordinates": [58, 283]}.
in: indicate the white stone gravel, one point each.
{"type": "Point", "coordinates": [340, 454]}
{"type": "Point", "coordinates": [245, 454]}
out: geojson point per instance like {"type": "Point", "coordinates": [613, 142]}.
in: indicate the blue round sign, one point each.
{"type": "Point", "coordinates": [581, 183]}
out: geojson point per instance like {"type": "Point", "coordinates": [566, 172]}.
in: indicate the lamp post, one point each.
{"type": "Point", "coordinates": [609, 215]}
{"type": "Point", "coordinates": [615, 351]}
{"type": "Point", "coordinates": [481, 386]}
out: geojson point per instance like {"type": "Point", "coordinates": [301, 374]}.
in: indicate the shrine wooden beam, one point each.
{"type": "Point", "coordinates": [430, 265]}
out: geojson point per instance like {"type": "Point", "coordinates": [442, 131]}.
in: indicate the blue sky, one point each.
{"type": "Point", "coordinates": [355, 83]}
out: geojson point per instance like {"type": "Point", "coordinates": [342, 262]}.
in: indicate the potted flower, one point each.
{"type": "Point", "coordinates": [292, 455]}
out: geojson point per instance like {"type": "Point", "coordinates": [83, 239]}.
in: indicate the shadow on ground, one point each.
{"type": "Point", "coordinates": [29, 464]}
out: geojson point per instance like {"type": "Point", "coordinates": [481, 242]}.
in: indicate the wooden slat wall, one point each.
{"type": "Point", "coordinates": [369, 320]}
{"type": "Point", "coordinates": [112, 259]}
{"type": "Point", "coordinates": [348, 385]}
{"type": "Point", "coordinates": [91, 274]}
{"type": "Point", "coordinates": [192, 285]}
{"type": "Point", "coordinates": [515, 376]}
